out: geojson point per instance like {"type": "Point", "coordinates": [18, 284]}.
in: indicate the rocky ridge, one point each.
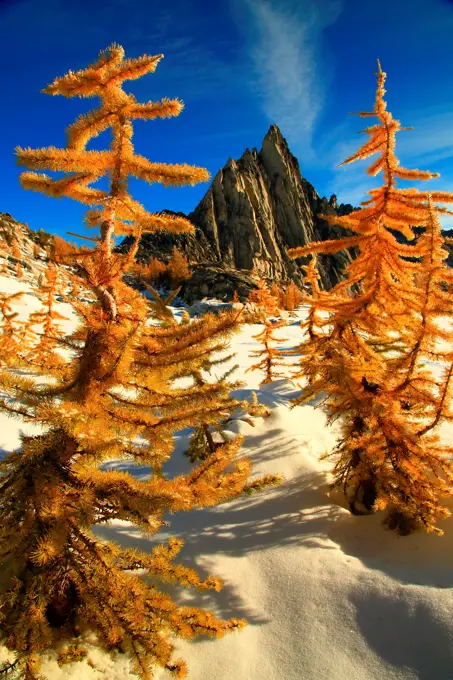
{"type": "Point", "coordinates": [259, 206]}
{"type": "Point", "coordinates": [33, 256]}
{"type": "Point", "coordinates": [255, 209]}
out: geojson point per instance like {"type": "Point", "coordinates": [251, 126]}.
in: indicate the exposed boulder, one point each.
{"type": "Point", "coordinates": [213, 306]}
{"type": "Point", "coordinates": [218, 281]}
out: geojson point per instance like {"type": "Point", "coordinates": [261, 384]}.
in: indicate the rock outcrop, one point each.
{"type": "Point", "coordinates": [218, 281]}
{"type": "Point", "coordinates": [259, 206]}
{"type": "Point", "coordinates": [255, 209]}
{"type": "Point", "coordinates": [27, 241]}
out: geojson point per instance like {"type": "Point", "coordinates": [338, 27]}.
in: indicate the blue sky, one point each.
{"type": "Point", "coordinates": [239, 66]}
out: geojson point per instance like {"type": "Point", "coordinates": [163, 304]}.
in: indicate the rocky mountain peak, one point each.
{"type": "Point", "coordinates": [274, 135]}
{"type": "Point", "coordinates": [249, 156]}
{"type": "Point", "coordinates": [256, 208]}
{"type": "Point", "coordinates": [275, 154]}
{"type": "Point", "coordinates": [259, 206]}
{"type": "Point", "coordinates": [231, 163]}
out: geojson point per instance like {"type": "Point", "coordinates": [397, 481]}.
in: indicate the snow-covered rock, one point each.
{"type": "Point", "coordinates": [213, 306]}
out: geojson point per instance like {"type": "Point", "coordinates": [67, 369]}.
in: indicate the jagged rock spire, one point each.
{"type": "Point", "coordinates": [274, 133]}
{"type": "Point", "coordinates": [260, 205]}
{"type": "Point", "coordinates": [256, 208]}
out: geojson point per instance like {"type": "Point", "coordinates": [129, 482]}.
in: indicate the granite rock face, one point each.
{"type": "Point", "coordinates": [255, 209]}
{"type": "Point", "coordinates": [259, 206]}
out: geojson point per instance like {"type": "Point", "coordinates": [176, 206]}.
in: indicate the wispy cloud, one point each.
{"type": "Point", "coordinates": [284, 43]}
{"type": "Point", "coordinates": [351, 183]}
{"type": "Point", "coordinates": [430, 142]}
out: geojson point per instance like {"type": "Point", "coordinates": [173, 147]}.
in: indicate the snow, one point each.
{"type": "Point", "coordinates": [327, 595]}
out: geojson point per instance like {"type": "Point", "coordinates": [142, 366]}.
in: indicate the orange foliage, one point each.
{"type": "Point", "coordinates": [275, 298]}
{"type": "Point", "coordinates": [15, 251]}
{"type": "Point", "coordinates": [45, 323]}
{"type": "Point", "coordinates": [114, 395]}
{"type": "Point", "coordinates": [367, 352]}
{"type": "Point", "coordinates": [263, 298]}
{"type": "Point", "coordinates": [279, 294]}
{"type": "Point", "coordinates": [292, 297]}
{"type": "Point", "coordinates": [63, 251]}
{"type": "Point", "coordinates": [272, 357]}
{"type": "Point", "coordinates": [155, 269]}
{"type": "Point", "coordinates": [178, 267]}
{"type": "Point", "coordinates": [148, 273]}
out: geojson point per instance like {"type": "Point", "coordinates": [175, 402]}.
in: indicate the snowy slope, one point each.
{"type": "Point", "coordinates": [327, 595]}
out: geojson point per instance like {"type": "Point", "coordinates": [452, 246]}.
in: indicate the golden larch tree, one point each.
{"type": "Point", "coordinates": [279, 294]}
{"type": "Point", "coordinates": [292, 297]}
{"type": "Point", "coordinates": [178, 267]}
{"type": "Point", "coordinates": [15, 251]}
{"type": "Point", "coordinates": [272, 357]}
{"type": "Point", "coordinates": [202, 442]}
{"type": "Point", "coordinates": [115, 396]}
{"type": "Point", "coordinates": [155, 269]}
{"type": "Point", "coordinates": [263, 299]}
{"type": "Point", "coordinates": [308, 366]}
{"type": "Point", "coordinates": [360, 353]}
